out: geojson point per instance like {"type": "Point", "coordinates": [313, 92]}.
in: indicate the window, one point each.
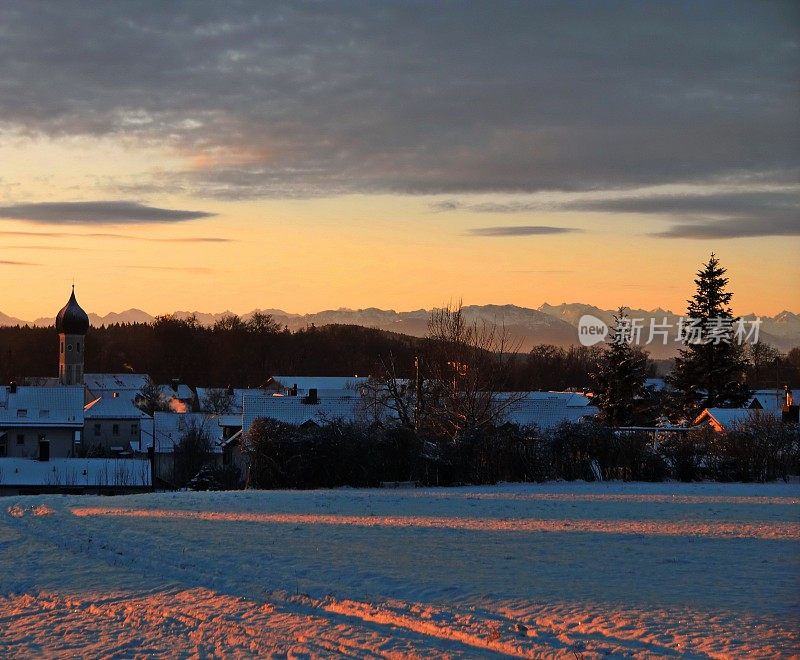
{"type": "Point", "coordinates": [78, 345]}
{"type": "Point", "coordinates": [44, 414]}
{"type": "Point", "coordinates": [20, 438]}
{"type": "Point", "coordinates": [22, 412]}
{"type": "Point", "coordinates": [134, 429]}
{"type": "Point", "coordinates": [97, 428]}
{"type": "Point", "coordinates": [115, 430]}
{"type": "Point", "coordinates": [3, 448]}
{"type": "Point", "coordinates": [69, 347]}
{"type": "Point", "coordinates": [62, 347]}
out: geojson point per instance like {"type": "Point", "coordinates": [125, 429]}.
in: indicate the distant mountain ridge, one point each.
{"type": "Point", "coordinates": [549, 324]}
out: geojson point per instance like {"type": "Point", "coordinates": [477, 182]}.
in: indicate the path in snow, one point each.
{"type": "Point", "coordinates": [588, 569]}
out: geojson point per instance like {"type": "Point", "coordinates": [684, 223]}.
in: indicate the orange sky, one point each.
{"type": "Point", "coordinates": [527, 154]}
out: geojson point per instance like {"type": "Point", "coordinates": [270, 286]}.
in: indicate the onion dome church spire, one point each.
{"type": "Point", "coordinates": [72, 324]}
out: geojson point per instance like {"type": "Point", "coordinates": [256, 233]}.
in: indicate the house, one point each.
{"type": "Point", "coordinates": [169, 429]}
{"type": "Point", "coordinates": [112, 422]}
{"type": "Point", "coordinates": [298, 411]}
{"type": "Point", "coordinates": [771, 399]}
{"type": "Point", "coordinates": [723, 419]}
{"type": "Point", "coordinates": [125, 385]}
{"type": "Point", "coordinates": [545, 410]}
{"type": "Point", "coordinates": [324, 385]}
{"type": "Point", "coordinates": [178, 396]}
{"type": "Point", "coordinates": [41, 422]}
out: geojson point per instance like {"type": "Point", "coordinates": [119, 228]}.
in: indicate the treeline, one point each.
{"type": "Point", "coordinates": [338, 454]}
{"type": "Point", "coordinates": [244, 354]}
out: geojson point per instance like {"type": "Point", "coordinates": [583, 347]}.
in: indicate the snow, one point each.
{"type": "Point", "coordinates": [525, 570]}
{"type": "Point", "coordinates": [78, 472]}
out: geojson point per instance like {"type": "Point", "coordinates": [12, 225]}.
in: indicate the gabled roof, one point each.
{"type": "Point", "coordinates": [99, 383]}
{"type": "Point", "coordinates": [182, 392]}
{"type": "Point", "coordinates": [112, 407]}
{"type": "Point", "coordinates": [292, 410]}
{"type": "Point", "coordinates": [305, 383]}
{"type": "Point", "coordinates": [569, 399]}
{"type": "Point", "coordinates": [728, 417]}
{"type": "Point", "coordinates": [768, 399]}
{"type": "Point", "coordinates": [53, 407]}
{"type": "Point", "coordinates": [547, 412]}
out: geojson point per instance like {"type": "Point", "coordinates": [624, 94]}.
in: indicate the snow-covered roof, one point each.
{"type": "Point", "coordinates": [112, 407]}
{"type": "Point", "coordinates": [169, 429]}
{"type": "Point", "coordinates": [728, 417]}
{"type": "Point", "coordinates": [42, 406]}
{"type": "Point", "coordinates": [230, 420]}
{"type": "Point", "coordinates": [569, 399]}
{"type": "Point", "coordinates": [236, 398]}
{"type": "Point", "coordinates": [292, 410]}
{"type": "Point", "coordinates": [180, 391]}
{"type": "Point", "coordinates": [320, 383]}
{"type": "Point", "coordinates": [77, 472]}
{"type": "Point", "coordinates": [115, 382]}
{"type": "Point", "coordinates": [657, 384]}
{"type": "Point", "coordinates": [546, 411]}
{"type": "Point", "coordinates": [768, 399]}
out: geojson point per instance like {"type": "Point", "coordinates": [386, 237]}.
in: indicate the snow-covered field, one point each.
{"type": "Point", "coordinates": [558, 569]}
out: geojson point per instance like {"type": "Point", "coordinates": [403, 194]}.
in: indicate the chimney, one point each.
{"type": "Point", "coordinates": [175, 383]}
{"type": "Point", "coordinates": [230, 390]}
{"type": "Point", "coordinates": [312, 397]}
{"type": "Point", "coordinates": [12, 388]}
{"type": "Point", "coordinates": [293, 390]}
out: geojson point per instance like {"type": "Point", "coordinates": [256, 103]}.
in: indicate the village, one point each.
{"type": "Point", "coordinates": [117, 433]}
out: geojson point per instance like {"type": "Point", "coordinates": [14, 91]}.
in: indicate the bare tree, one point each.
{"type": "Point", "coordinates": [218, 401]}
{"type": "Point", "coordinates": [459, 374]}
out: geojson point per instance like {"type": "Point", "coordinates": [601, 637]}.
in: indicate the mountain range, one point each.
{"type": "Point", "coordinates": [548, 324]}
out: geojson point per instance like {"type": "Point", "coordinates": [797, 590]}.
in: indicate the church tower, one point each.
{"type": "Point", "coordinates": [72, 323]}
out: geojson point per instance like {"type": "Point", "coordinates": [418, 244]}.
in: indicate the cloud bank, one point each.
{"type": "Point", "coordinates": [298, 100]}
{"type": "Point", "coordinates": [97, 213]}
{"type": "Point", "coordinates": [530, 230]}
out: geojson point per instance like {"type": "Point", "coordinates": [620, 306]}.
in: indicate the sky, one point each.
{"type": "Point", "coordinates": [306, 156]}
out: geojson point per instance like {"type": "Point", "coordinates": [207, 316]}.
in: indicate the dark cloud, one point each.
{"type": "Point", "coordinates": [97, 213]}
{"type": "Point", "coordinates": [738, 228]}
{"type": "Point", "coordinates": [713, 216]}
{"type": "Point", "coordinates": [303, 99]}
{"type": "Point", "coordinates": [521, 231]}
{"type": "Point", "coordinates": [708, 215]}
{"type": "Point", "coordinates": [720, 204]}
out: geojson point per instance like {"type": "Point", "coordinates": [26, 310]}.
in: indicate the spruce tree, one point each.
{"type": "Point", "coordinates": [710, 370]}
{"type": "Point", "coordinates": [620, 376]}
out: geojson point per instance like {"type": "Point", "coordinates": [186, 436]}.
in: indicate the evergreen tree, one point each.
{"type": "Point", "coordinates": [621, 373]}
{"type": "Point", "coordinates": [710, 370]}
